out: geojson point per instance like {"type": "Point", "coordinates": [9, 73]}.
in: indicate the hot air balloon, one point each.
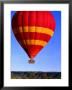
{"type": "Point", "coordinates": [33, 30]}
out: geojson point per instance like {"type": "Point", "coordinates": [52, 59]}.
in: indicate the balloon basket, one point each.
{"type": "Point", "coordinates": [31, 61]}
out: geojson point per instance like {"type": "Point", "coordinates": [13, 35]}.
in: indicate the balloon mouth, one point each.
{"type": "Point", "coordinates": [31, 61]}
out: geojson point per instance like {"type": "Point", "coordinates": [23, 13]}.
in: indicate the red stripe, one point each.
{"type": "Point", "coordinates": [19, 38]}
{"type": "Point", "coordinates": [35, 18]}
{"type": "Point", "coordinates": [33, 50]}
{"type": "Point", "coordinates": [20, 18]}
{"type": "Point", "coordinates": [25, 19]}
{"type": "Point", "coordinates": [14, 21]}
{"type": "Point", "coordinates": [31, 36]}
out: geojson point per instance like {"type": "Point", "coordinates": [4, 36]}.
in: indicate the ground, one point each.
{"type": "Point", "coordinates": [35, 75]}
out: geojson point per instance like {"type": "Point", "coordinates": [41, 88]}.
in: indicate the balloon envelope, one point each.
{"type": "Point", "coordinates": [33, 30]}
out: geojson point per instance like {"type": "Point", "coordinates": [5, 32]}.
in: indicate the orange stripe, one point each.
{"type": "Point", "coordinates": [35, 42]}
{"type": "Point", "coordinates": [35, 29]}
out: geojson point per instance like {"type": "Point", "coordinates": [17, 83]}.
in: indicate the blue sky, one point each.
{"type": "Point", "coordinates": [48, 59]}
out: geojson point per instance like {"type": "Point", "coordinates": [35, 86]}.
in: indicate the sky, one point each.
{"type": "Point", "coordinates": [47, 60]}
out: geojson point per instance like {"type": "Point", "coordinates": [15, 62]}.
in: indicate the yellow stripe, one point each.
{"type": "Point", "coordinates": [35, 42]}
{"type": "Point", "coordinates": [35, 29]}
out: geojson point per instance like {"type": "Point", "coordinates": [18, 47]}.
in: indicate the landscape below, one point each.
{"type": "Point", "coordinates": [35, 75]}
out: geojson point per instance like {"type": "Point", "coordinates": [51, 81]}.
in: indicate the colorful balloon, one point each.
{"type": "Point", "coordinates": [33, 30]}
